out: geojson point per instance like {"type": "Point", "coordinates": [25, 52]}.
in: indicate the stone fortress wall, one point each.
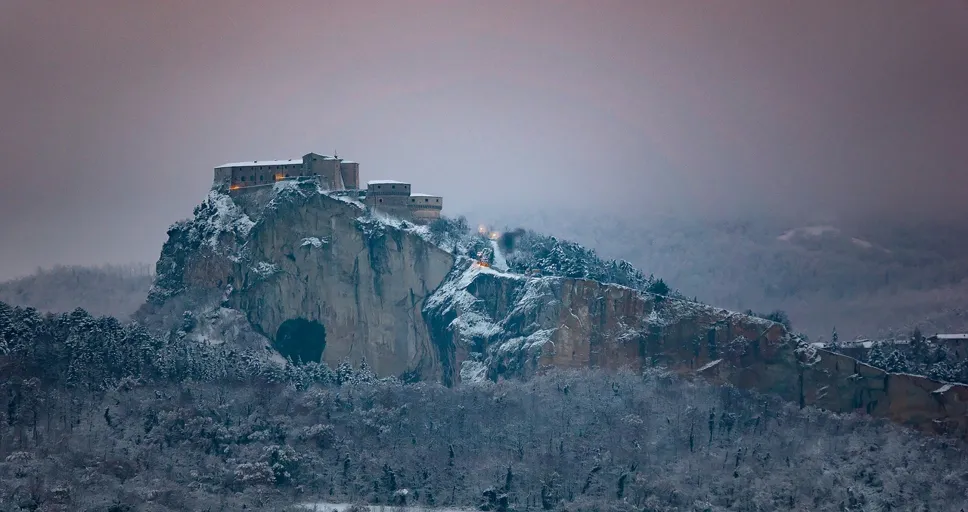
{"type": "Point", "coordinates": [336, 175]}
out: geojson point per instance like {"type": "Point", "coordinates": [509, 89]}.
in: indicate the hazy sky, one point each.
{"type": "Point", "coordinates": [113, 112]}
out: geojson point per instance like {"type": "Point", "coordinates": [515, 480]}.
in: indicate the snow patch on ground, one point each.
{"type": "Point", "coordinates": [813, 231]}
{"type": "Point", "coordinates": [862, 243]}
{"type": "Point", "coordinates": [473, 372]}
{"type": "Point", "coordinates": [942, 389]}
{"type": "Point", "coordinates": [500, 263]}
{"type": "Point", "coordinates": [314, 241]}
{"type": "Point", "coordinates": [535, 340]}
{"type": "Point", "coordinates": [709, 365]}
{"type": "Point", "coordinates": [265, 269]}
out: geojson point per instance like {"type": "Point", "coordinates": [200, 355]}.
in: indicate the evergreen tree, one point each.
{"type": "Point", "coordinates": [896, 363]}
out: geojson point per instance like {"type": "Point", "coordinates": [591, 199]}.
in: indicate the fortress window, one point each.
{"type": "Point", "coordinates": [393, 186]}
{"type": "Point", "coordinates": [251, 178]}
{"type": "Point", "coordinates": [381, 200]}
{"type": "Point", "coordinates": [426, 200]}
{"type": "Point", "coordinates": [262, 177]}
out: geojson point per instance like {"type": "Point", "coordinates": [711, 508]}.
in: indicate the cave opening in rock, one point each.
{"type": "Point", "coordinates": [301, 340]}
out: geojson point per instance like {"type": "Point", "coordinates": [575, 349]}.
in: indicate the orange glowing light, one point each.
{"type": "Point", "coordinates": [234, 187]}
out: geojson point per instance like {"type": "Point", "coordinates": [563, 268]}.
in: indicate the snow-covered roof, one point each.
{"type": "Point", "coordinates": [423, 195]}
{"type": "Point", "coordinates": [255, 163]}
{"type": "Point", "coordinates": [952, 336]}
{"type": "Point", "coordinates": [386, 182]}
{"type": "Point", "coordinates": [347, 162]}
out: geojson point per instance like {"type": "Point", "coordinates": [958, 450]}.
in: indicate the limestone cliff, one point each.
{"type": "Point", "coordinates": [491, 325]}
{"type": "Point", "coordinates": [319, 277]}
{"type": "Point", "coordinates": [292, 253]}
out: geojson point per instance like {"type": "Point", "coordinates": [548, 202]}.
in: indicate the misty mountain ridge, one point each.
{"type": "Point", "coordinates": [106, 290]}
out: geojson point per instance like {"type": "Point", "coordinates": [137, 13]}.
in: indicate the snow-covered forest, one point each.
{"type": "Point", "coordinates": [100, 416]}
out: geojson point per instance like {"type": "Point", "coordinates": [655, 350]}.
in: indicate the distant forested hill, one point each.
{"type": "Point", "coordinates": [865, 279]}
{"type": "Point", "coordinates": [112, 290]}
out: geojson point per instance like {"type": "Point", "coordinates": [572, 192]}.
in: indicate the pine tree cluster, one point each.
{"type": "Point", "coordinates": [77, 350]}
{"type": "Point", "coordinates": [934, 360]}
{"type": "Point", "coordinates": [548, 255]}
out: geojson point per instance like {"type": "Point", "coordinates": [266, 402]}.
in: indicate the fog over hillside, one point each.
{"type": "Point", "coordinates": [864, 278]}
{"type": "Point", "coordinates": [111, 290]}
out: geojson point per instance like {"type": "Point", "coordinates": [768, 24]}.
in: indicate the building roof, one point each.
{"type": "Point", "coordinates": [386, 182]}
{"type": "Point", "coordinates": [951, 336]}
{"type": "Point", "coordinates": [255, 163]}
{"type": "Point", "coordinates": [423, 195]}
{"type": "Point", "coordinates": [347, 162]}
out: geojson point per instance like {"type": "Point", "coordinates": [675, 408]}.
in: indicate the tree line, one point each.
{"type": "Point", "coordinates": [96, 415]}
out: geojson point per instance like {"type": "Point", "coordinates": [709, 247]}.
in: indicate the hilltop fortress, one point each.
{"type": "Point", "coordinates": [338, 176]}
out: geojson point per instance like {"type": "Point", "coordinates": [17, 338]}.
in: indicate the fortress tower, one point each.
{"type": "Point", "coordinates": [389, 196]}
{"type": "Point", "coordinates": [425, 207]}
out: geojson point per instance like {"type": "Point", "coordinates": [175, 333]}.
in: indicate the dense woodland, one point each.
{"type": "Point", "coordinates": [95, 415]}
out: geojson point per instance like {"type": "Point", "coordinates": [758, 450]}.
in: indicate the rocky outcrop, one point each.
{"type": "Point", "coordinates": [318, 277]}
{"type": "Point", "coordinates": [293, 253]}
{"type": "Point", "coordinates": [314, 257]}
{"type": "Point", "coordinates": [493, 325]}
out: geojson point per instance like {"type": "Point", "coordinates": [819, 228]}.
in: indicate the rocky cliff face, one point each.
{"type": "Point", "coordinates": [307, 270]}
{"type": "Point", "coordinates": [319, 278]}
{"type": "Point", "coordinates": [489, 325]}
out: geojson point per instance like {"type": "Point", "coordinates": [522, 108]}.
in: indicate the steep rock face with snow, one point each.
{"type": "Point", "coordinates": [489, 325]}
{"type": "Point", "coordinates": [499, 324]}
{"type": "Point", "coordinates": [378, 289]}
{"type": "Point", "coordinates": [294, 253]}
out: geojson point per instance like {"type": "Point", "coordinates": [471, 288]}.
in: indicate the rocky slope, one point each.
{"type": "Point", "coordinates": [320, 278]}
{"type": "Point", "coordinates": [488, 324]}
